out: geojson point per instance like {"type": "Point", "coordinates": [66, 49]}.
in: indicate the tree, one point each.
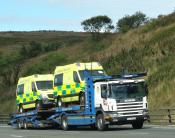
{"type": "Point", "coordinates": [130, 22]}
{"type": "Point", "coordinates": [34, 49]}
{"type": "Point", "coordinates": [97, 24]}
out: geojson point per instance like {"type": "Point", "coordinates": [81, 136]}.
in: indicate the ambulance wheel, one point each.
{"type": "Point", "coordinates": [64, 123]}
{"type": "Point", "coordinates": [21, 110]}
{"type": "Point", "coordinates": [38, 105]}
{"type": "Point", "coordinates": [101, 122]}
{"type": "Point", "coordinates": [59, 102]}
{"type": "Point", "coordinates": [20, 125]}
{"type": "Point", "coordinates": [82, 99]}
{"type": "Point", "coordinates": [25, 125]}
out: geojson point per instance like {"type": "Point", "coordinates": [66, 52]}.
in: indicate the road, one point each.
{"type": "Point", "coordinates": [148, 131]}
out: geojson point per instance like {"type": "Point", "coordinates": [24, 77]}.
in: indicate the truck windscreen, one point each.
{"type": "Point", "coordinates": [129, 90]}
{"type": "Point", "coordinates": [92, 72]}
{"type": "Point", "coordinates": [44, 85]}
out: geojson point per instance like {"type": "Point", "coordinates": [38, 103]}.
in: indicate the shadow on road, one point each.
{"type": "Point", "coordinates": [87, 128]}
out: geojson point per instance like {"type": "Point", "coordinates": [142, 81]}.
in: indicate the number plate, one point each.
{"type": "Point", "coordinates": [131, 118]}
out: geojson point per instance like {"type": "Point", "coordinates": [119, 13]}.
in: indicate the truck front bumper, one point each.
{"type": "Point", "coordinates": [121, 120]}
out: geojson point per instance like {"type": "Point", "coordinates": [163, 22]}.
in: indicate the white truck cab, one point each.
{"type": "Point", "coordinates": [122, 101]}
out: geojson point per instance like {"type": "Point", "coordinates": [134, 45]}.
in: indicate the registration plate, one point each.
{"type": "Point", "coordinates": [131, 118]}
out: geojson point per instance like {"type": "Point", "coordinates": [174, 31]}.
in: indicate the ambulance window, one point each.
{"type": "Point", "coordinates": [58, 80]}
{"type": "Point", "coordinates": [76, 78]}
{"type": "Point", "coordinates": [33, 87]}
{"type": "Point", "coordinates": [20, 89]}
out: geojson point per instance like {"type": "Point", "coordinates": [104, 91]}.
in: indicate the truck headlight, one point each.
{"type": "Point", "coordinates": [113, 115]}
{"type": "Point", "coordinates": [145, 112]}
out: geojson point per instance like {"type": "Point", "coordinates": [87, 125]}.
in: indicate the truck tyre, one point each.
{"type": "Point", "coordinates": [101, 122]}
{"type": "Point", "coordinates": [20, 125]}
{"type": "Point", "coordinates": [25, 124]}
{"type": "Point", "coordinates": [21, 110]}
{"type": "Point", "coordinates": [137, 124]}
{"type": "Point", "coordinates": [64, 123]}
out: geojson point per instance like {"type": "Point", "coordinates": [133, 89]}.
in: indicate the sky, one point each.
{"type": "Point", "coordinates": [67, 15]}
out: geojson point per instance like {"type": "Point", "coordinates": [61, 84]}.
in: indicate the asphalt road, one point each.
{"type": "Point", "coordinates": [119, 132]}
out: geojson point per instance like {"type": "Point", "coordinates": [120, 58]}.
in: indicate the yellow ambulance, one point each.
{"type": "Point", "coordinates": [34, 91]}
{"type": "Point", "coordinates": [69, 84]}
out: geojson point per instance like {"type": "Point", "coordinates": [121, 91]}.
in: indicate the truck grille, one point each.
{"type": "Point", "coordinates": [130, 108]}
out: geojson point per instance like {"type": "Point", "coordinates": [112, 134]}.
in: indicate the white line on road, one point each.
{"type": "Point", "coordinates": [4, 126]}
{"type": "Point", "coordinates": [16, 136]}
{"type": "Point", "coordinates": [139, 133]}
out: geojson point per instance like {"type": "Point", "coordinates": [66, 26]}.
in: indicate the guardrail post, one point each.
{"type": "Point", "coordinates": [169, 116]}
{"type": "Point", "coordinates": [149, 121]}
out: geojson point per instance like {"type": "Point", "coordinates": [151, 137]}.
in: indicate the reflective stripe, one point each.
{"type": "Point", "coordinates": [68, 89]}
{"type": "Point", "coordinates": [28, 97]}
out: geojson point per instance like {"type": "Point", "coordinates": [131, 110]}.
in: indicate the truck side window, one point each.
{"type": "Point", "coordinates": [76, 78]}
{"type": "Point", "coordinates": [58, 80]}
{"type": "Point", "coordinates": [33, 87]}
{"type": "Point", "coordinates": [104, 91]}
{"type": "Point", "coordinates": [20, 89]}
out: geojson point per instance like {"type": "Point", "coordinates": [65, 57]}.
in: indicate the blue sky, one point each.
{"type": "Point", "coordinates": [28, 15]}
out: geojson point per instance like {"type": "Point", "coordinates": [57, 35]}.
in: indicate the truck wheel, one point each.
{"type": "Point", "coordinates": [137, 124]}
{"type": "Point", "coordinates": [20, 125]}
{"type": "Point", "coordinates": [64, 123]}
{"type": "Point", "coordinates": [101, 122]}
{"type": "Point", "coordinates": [25, 125]}
{"type": "Point", "coordinates": [21, 110]}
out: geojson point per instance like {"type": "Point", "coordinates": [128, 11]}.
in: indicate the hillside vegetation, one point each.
{"type": "Point", "coordinates": [149, 48]}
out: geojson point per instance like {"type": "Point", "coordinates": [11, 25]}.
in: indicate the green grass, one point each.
{"type": "Point", "coordinates": [150, 48]}
{"type": "Point", "coordinates": [47, 64]}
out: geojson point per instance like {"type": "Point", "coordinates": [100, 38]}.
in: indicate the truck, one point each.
{"type": "Point", "coordinates": [34, 91]}
{"type": "Point", "coordinates": [108, 101]}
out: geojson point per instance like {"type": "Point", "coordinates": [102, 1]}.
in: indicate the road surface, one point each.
{"type": "Point", "coordinates": [149, 131]}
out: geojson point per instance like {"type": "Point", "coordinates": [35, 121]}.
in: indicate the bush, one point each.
{"type": "Point", "coordinates": [160, 22]}
{"type": "Point", "coordinates": [130, 22]}
{"type": "Point", "coordinates": [53, 46]}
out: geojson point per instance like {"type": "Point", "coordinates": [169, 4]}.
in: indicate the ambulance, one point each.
{"type": "Point", "coordinates": [34, 91]}
{"type": "Point", "coordinates": [69, 85]}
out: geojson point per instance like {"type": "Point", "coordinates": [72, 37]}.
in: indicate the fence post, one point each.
{"type": "Point", "coordinates": [169, 116]}
{"type": "Point", "coordinates": [149, 121]}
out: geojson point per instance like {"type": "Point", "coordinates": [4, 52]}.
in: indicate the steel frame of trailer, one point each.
{"type": "Point", "coordinates": [76, 115]}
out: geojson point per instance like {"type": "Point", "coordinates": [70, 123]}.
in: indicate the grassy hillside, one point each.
{"type": "Point", "coordinates": [150, 48]}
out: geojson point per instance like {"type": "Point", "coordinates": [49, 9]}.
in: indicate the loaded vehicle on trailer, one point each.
{"type": "Point", "coordinates": [34, 91]}
{"type": "Point", "coordinates": [69, 82]}
{"type": "Point", "coordinates": [108, 101]}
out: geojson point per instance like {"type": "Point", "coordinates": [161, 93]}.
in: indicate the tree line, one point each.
{"type": "Point", "coordinates": [96, 25]}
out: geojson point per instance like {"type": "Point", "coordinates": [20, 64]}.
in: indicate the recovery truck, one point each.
{"type": "Point", "coordinates": [108, 101]}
